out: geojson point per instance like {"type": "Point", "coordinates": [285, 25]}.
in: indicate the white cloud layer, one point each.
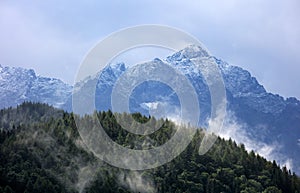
{"type": "Point", "coordinates": [240, 133]}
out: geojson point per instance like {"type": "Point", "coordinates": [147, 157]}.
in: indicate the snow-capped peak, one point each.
{"type": "Point", "coordinates": [119, 66]}
{"type": "Point", "coordinates": [190, 52]}
{"type": "Point", "coordinates": [193, 51]}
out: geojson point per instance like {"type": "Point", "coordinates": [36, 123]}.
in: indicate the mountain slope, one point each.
{"type": "Point", "coordinates": [44, 153]}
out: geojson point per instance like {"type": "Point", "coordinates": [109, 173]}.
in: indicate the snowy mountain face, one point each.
{"type": "Point", "coordinates": [267, 119]}
{"type": "Point", "coordinates": [242, 89]}
{"type": "Point", "coordinates": [18, 85]}
{"type": "Point", "coordinates": [269, 123]}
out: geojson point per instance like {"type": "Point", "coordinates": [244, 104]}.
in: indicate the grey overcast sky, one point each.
{"type": "Point", "coordinates": [52, 37]}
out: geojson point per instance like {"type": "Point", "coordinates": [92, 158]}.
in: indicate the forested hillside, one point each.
{"type": "Point", "coordinates": [41, 151]}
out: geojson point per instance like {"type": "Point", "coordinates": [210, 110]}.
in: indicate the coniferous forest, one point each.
{"type": "Point", "coordinates": [41, 151]}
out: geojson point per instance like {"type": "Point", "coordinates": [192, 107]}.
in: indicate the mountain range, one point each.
{"type": "Point", "coordinates": [265, 122]}
{"type": "Point", "coordinates": [18, 85]}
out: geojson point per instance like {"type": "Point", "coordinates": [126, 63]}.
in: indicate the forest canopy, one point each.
{"type": "Point", "coordinates": [41, 151]}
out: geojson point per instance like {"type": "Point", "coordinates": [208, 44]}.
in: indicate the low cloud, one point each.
{"type": "Point", "coordinates": [137, 182]}
{"type": "Point", "coordinates": [240, 133]}
{"type": "Point", "coordinates": [86, 174]}
{"type": "Point", "coordinates": [159, 109]}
